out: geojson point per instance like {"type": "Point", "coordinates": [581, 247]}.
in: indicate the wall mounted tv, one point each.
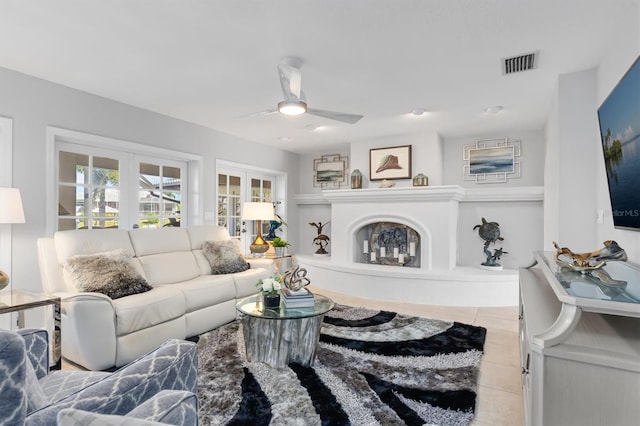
{"type": "Point", "coordinates": [619, 118]}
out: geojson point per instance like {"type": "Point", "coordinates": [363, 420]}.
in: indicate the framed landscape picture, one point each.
{"type": "Point", "coordinates": [330, 170]}
{"type": "Point", "coordinates": [390, 163]}
{"type": "Point", "coordinates": [492, 164]}
{"type": "Point", "coordinates": [491, 160]}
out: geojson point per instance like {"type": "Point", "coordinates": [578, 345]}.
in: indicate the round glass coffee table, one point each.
{"type": "Point", "coordinates": [280, 336]}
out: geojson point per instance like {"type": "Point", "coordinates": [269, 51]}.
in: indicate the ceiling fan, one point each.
{"type": "Point", "coordinates": [295, 101]}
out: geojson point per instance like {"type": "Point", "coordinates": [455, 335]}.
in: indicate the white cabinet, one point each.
{"type": "Point", "coordinates": [580, 344]}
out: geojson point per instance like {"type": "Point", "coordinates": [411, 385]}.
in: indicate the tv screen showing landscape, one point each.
{"type": "Point", "coordinates": [619, 117]}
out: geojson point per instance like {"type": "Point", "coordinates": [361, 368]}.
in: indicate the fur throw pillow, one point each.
{"type": "Point", "coordinates": [109, 273]}
{"type": "Point", "coordinates": [224, 257]}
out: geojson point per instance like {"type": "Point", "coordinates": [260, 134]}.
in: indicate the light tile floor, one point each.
{"type": "Point", "coordinates": [499, 394]}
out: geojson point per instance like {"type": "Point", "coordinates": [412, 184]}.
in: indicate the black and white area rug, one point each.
{"type": "Point", "coordinates": [372, 368]}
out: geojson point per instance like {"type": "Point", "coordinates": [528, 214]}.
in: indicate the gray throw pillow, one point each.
{"type": "Point", "coordinates": [224, 257]}
{"type": "Point", "coordinates": [110, 273]}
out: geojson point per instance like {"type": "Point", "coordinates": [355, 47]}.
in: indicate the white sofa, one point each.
{"type": "Point", "coordinates": [186, 300]}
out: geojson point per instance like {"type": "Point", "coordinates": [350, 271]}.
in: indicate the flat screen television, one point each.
{"type": "Point", "coordinates": [619, 118]}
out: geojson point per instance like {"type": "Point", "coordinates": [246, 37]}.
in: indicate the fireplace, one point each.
{"type": "Point", "coordinates": [363, 221]}
{"type": "Point", "coordinates": [388, 243]}
{"type": "Point", "coordinates": [429, 216]}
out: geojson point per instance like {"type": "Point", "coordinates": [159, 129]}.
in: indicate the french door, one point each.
{"type": "Point", "coordinates": [235, 187]}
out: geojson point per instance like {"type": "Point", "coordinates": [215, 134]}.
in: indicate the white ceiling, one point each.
{"type": "Point", "coordinates": [214, 62]}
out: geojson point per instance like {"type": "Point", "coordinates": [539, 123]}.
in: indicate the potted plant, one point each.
{"type": "Point", "coordinates": [279, 244]}
{"type": "Point", "coordinates": [270, 289]}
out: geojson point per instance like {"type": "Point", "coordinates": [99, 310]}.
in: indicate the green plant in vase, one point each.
{"type": "Point", "coordinates": [279, 244]}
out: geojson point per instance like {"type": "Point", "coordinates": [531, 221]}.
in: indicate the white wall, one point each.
{"type": "Point", "coordinates": [575, 178]}
{"type": "Point", "coordinates": [34, 104]}
{"type": "Point", "coordinates": [613, 66]}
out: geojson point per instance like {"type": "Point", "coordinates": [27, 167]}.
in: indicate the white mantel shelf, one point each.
{"type": "Point", "coordinates": [387, 195]}
{"type": "Point", "coordinates": [431, 193]}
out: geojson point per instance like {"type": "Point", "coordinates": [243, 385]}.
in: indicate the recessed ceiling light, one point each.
{"type": "Point", "coordinates": [418, 111]}
{"type": "Point", "coordinates": [493, 109]}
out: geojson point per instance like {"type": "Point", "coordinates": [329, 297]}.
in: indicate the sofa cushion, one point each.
{"type": "Point", "coordinates": [110, 273]}
{"type": "Point", "coordinates": [199, 234]}
{"type": "Point", "coordinates": [159, 240]}
{"type": "Point", "coordinates": [224, 257]}
{"type": "Point", "coordinates": [90, 241]}
{"type": "Point", "coordinates": [205, 291]}
{"type": "Point", "coordinates": [168, 268]}
{"type": "Point", "coordinates": [154, 307]}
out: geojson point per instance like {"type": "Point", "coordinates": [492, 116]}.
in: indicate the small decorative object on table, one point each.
{"type": "Point", "coordinates": [270, 289]}
{"type": "Point", "coordinates": [420, 180]}
{"type": "Point", "coordinates": [387, 184]}
{"type": "Point", "coordinates": [321, 240]}
{"type": "Point", "coordinates": [280, 245]}
{"type": "Point", "coordinates": [356, 179]}
{"type": "Point", "coordinates": [490, 233]}
{"type": "Point", "coordinates": [295, 295]}
{"type": "Point", "coordinates": [585, 262]}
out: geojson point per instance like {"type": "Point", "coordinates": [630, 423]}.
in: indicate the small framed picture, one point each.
{"type": "Point", "coordinates": [330, 170]}
{"type": "Point", "coordinates": [390, 163]}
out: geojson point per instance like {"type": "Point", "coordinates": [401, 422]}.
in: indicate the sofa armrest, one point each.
{"type": "Point", "coordinates": [37, 345]}
{"type": "Point", "coordinates": [174, 365]}
{"type": "Point", "coordinates": [169, 406]}
{"type": "Point", "coordinates": [74, 417]}
{"type": "Point", "coordinates": [89, 330]}
{"type": "Point", "coordinates": [267, 264]}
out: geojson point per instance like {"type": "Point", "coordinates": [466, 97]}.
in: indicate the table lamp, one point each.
{"type": "Point", "coordinates": [10, 212]}
{"type": "Point", "coordinates": [258, 211]}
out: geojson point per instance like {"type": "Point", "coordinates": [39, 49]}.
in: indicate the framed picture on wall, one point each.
{"type": "Point", "coordinates": [390, 163]}
{"type": "Point", "coordinates": [330, 170]}
{"type": "Point", "coordinates": [492, 164]}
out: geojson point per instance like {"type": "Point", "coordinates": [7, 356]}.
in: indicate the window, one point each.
{"type": "Point", "coordinates": [88, 191]}
{"type": "Point", "coordinates": [107, 183]}
{"type": "Point", "coordinates": [160, 195]}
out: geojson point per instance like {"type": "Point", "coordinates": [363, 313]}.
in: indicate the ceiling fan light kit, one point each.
{"type": "Point", "coordinates": [292, 107]}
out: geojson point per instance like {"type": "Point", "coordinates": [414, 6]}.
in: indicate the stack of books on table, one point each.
{"type": "Point", "coordinates": [302, 298]}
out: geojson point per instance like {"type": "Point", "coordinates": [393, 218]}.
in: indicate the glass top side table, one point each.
{"type": "Point", "coordinates": [280, 336]}
{"type": "Point", "coordinates": [20, 300]}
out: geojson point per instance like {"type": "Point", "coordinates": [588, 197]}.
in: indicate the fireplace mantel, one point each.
{"type": "Point", "coordinates": [390, 195]}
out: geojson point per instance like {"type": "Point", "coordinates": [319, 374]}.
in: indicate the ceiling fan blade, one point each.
{"type": "Point", "coordinates": [260, 114]}
{"type": "Point", "coordinates": [334, 115]}
{"type": "Point", "coordinates": [290, 81]}
{"type": "Point", "coordinates": [295, 82]}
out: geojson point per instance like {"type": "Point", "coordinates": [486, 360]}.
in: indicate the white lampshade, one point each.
{"type": "Point", "coordinates": [11, 206]}
{"type": "Point", "coordinates": [257, 211]}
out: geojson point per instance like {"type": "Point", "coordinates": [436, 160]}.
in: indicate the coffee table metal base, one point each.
{"type": "Point", "coordinates": [282, 341]}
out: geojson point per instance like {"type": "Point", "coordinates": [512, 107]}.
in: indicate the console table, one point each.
{"type": "Point", "coordinates": [580, 344]}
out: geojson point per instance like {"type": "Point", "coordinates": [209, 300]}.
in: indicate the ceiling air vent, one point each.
{"type": "Point", "coordinates": [519, 63]}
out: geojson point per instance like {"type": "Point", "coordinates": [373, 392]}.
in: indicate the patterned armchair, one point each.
{"type": "Point", "coordinates": [157, 387]}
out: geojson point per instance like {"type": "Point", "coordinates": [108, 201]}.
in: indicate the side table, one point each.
{"type": "Point", "coordinates": [20, 300]}
{"type": "Point", "coordinates": [278, 337]}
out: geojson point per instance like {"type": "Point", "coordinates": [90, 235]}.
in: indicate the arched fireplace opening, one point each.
{"type": "Point", "coordinates": [388, 243]}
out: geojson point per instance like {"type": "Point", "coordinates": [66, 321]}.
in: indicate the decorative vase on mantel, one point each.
{"type": "Point", "coordinates": [271, 300]}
